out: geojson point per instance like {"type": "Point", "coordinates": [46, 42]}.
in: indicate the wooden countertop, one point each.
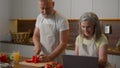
{"type": "Point", "coordinates": [18, 65]}
{"type": "Point", "coordinates": [112, 51]}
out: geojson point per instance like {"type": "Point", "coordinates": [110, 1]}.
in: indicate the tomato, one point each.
{"type": "Point", "coordinates": [3, 58]}
{"type": "Point", "coordinates": [53, 63]}
{"type": "Point", "coordinates": [48, 66]}
{"type": "Point", "coordinates": [59, 66]}
{"type": "Point", "coordinates": [35, 59]}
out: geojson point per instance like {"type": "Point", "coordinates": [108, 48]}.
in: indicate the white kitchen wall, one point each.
{"type": "Point", "coordinates": [106, 8]}
{"type": "Point", "coordinates": [30, 8]}
{"type": "Point", "coordinates": [64, 7]}
{"type": "Point", "coordinates": [119, 8]}
{"type": "Point", "coordinates": [24, 9]}
{"type": "Point", "coordinates": [16, 9]}
{"type": "Point", "coordinates": [69, 8]}
{"type": "Point", "coordinates": [79, 7]}
{"type": "Point", "coordinates": [4, 18]}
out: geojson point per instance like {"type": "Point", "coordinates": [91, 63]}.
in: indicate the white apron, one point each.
{"type": "Point", "coordinates": [90, 50]}
{"type": "Point", "coordinates": [49, 37]}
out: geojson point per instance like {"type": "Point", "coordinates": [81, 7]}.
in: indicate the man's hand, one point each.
{"type": "Point", "coordinates": [44, 58]}
{"type": "Point", "coordinates": [37, 50]}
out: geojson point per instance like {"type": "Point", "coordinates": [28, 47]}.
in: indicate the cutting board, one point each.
{"type": "Point", "coordinates": [40, 64]}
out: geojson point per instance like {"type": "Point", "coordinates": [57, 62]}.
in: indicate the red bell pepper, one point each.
{"type": "Point", "coordinates": [35, 59]}
{"type": "Point", "coordinates": [3, 58]}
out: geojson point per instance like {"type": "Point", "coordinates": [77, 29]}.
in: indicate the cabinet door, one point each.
{"type": "Point", "coordinates": [118, 62]}
{"type": "Point", "coordinates": [63, 6]}
{"type": "Point", "coordinates": [30, 8]}
{"type": "Point", "coordinates": [106, 8]}
{"type": "Point", "coordinates": [119, 8]}
{"type": "Point", "coordinates": [79, 7]}
{"type": "Point", "coordinates": [16, 9]}
{"type": "Point", "coordinates": [114, 60]}
{"type": "Point", "coordinates": [110, 59]}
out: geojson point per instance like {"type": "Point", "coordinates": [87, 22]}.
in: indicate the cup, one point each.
{"type": "Point", "coordinates": [16, 56]}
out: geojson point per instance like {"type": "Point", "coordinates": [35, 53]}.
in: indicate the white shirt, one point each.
{"type": "Point", "coordinates": [50, 29]}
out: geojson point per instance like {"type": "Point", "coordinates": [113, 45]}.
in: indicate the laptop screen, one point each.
{"type": "Point", "coordinates": [73, 61]}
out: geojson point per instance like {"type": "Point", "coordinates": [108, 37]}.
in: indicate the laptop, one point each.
{"type": "Point", "coordinates": [73, 61]}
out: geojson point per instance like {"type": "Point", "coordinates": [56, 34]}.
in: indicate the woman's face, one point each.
{"type": "Point", "coordinates": [87, 29]}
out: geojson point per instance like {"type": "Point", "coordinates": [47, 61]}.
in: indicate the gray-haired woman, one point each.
{"type": "Point", "coordinates": [91, 41]}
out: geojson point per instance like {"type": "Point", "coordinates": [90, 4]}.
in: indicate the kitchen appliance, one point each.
{"type": "Point", "coordinates": [73, 61]}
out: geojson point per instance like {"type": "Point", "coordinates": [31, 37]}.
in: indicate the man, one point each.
{"type": "Point", "coordinates": [51, 32]}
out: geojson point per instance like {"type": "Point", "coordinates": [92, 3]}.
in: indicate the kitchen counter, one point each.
{"type": "Point", "coordinates": [31, 44]}
{"type": "Point", "coordinates": [17, 65]}
{"type": "Point", "coordinates": [113, 51]}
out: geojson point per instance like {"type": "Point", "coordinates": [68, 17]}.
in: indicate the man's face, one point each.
{"type": "Point", "coordinates": [46, 8]}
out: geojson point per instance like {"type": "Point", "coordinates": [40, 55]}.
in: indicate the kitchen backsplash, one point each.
{"type": "Point", "coordinates": [24, 25]}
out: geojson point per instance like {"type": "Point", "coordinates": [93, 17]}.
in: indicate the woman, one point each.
{"type": "Point", "coordinates": [91, 41]}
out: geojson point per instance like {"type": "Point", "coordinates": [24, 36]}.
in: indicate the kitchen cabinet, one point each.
{"type": "Point", "coordinates": [69, 8]}
{"type": "Point", "coordinates": [30, 8]}
{"type": "Point", "coordinates": [114, 60]}
{"type": "Point", "coordinates": [78, 7]}
{"type": "Point", "coordinates": [22, 25]}
{"type": "Point", "coordinates": [119, 8]}
{"type": "Point", "coordinates": [106, 8]}
{"type": "Point", "coordinates": [64, 7]}
{"type": "Point", "coordinates": [75, 8]}
{"type": "Point", "coordinates": [16, 9]}
{"type": "Point", "coordinates": [24, 9]}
